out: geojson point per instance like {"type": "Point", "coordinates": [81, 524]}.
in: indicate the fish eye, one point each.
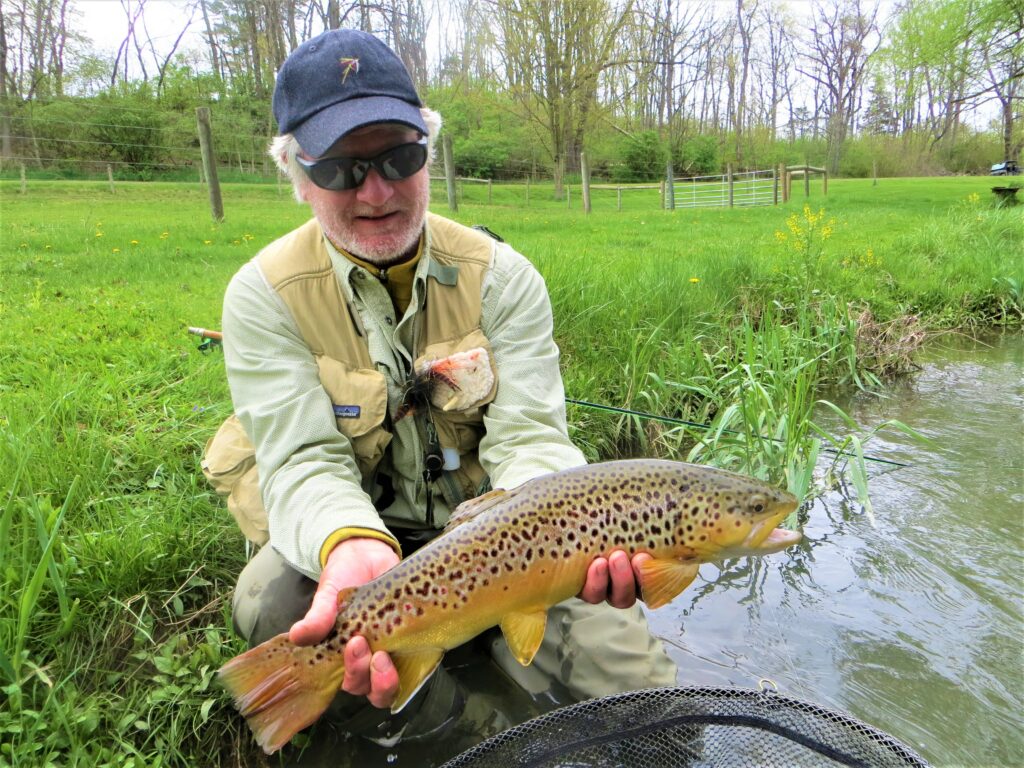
{"type": "Point", "coordinates": [758, 504]}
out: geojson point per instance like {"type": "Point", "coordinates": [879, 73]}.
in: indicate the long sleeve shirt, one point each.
{"type": "Point", "coordinates": [309, 478]}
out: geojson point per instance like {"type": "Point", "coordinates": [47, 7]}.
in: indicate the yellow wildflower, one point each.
{"type": "Point", "coordinates": [694, 279]}
{"type": "Point", "coordinates": [135, 242]}
{"type": "Point", "coordinates": [116, 250]}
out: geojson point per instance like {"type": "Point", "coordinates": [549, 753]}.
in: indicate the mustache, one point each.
{"type": "Point", "coordinates": [373, 213]}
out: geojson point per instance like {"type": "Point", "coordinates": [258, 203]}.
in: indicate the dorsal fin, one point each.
{"type": "Point", "coordinates": [470, 508]}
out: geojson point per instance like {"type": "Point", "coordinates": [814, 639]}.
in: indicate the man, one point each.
{"type": "Point", "coordinates": [332, 340]}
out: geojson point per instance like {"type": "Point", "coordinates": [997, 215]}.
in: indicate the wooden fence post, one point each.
{"type": "Point", "coordinates": [728, 172]}
{"type": "Point", "coordinates": [618, 198]}
{"type": "Point", "coordinates": [824, 183]}
{"type": "Point", "coordinates": [110, 177]}
{"type": "Point", "coordinates": [209, 162]}
{"type": "Point", "coordinates": [585, 174]}
{"type": "Point", "coordinates": [807, 181]}
{"type": "Point", "coordinates": [527, 191]}
{"type": "Point", "coordinates": [24, 185]}
{"type": "Point", "coordinates": [488, 191]}
{"type": "Point", "coordinates": [775, 185]}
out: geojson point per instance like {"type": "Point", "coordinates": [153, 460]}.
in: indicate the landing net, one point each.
{"type": "Point", "coordinates": [690, 726]}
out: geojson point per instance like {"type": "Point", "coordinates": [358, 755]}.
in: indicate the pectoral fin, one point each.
{"type": "Point", "coordinates": [661, 580]}
{"type": "Point", "coordinates": [524, 633]}
{"type": "Point", "coordinates": [414, 669]}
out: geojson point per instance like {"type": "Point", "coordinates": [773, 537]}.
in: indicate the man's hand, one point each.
{"type": "Point", "coordinates": [614, 579]}
{"type": "Point", "coordinates": [351, 563]}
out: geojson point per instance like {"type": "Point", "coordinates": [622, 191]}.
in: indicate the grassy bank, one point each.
{"type": "Point", "coordinates": [118, 561]}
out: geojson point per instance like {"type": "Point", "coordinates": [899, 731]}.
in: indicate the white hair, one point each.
{"type": "Point", "coordinates": [285, 148]}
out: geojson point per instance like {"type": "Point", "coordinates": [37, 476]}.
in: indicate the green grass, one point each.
{"type": "Point", "coordinates": [117, 560]}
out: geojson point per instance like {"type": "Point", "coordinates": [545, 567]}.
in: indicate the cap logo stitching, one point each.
{"type": "Point", "coordinates": [349, 66]}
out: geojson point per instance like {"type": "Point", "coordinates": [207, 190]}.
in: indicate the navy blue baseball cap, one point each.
{"type": "Point", "coordinates": [341, 80]}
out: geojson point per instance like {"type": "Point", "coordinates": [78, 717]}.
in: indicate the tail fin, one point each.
{"type": "Point", "coordinates": [281, 688]}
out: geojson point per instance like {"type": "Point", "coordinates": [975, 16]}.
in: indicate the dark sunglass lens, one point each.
{"type": "Point", "coordinates": [402, 161]}
{"type": "Point", "coordinates": [341, 173]}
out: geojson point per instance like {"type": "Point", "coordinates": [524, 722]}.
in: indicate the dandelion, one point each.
{"type": "Point", "coordinates": [135, 242]}
{"type": "Point", "coordinates": [164, 235]}
{"type": "Point", "coordinates": [236, 242]}
{"type": "Point", "coordinates": [49, 247]}
{"type": "Point", "coordinates": [207, 242]}
{"type": "Point", "coordinates": [99, 234]}
{"type": "Point", "coordinates": [974, 198]}
{"type": "Point", "coordinates": [115, 250]}
{"type": "Point", "coordinates": [694, 280]}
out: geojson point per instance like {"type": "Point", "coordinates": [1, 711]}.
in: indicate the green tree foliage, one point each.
{"type": "Point", "coordinates": [698, 156]}
{"type": "Point", "coordinates": [644, 158]}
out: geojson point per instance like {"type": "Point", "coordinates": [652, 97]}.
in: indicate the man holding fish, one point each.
{"type": "Point", "coordinates": [388, 365]}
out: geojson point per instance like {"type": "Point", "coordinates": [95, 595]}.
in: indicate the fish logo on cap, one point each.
{"type": "Point", "coordinates": [349, 66]}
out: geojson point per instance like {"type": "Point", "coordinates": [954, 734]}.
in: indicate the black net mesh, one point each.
{"type": "Point", "coordinates": [692, 726]}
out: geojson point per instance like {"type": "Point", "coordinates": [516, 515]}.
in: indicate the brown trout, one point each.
{"type": "Point", "coordinates": [504, 559]}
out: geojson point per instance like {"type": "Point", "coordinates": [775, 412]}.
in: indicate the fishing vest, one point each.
{"type": "Point", "coordinates": [299, 268]}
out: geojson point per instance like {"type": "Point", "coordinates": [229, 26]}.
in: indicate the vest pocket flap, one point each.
{"type": "Point", "coordinates": [462, 372]}
{"type": "Point", "coordinates": [229, 454]}
{"type": "Point", "coordinates": [359, 397]}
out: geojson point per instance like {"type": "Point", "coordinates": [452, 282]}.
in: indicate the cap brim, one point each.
{"type": "Point", "coordinates": [323, 129]}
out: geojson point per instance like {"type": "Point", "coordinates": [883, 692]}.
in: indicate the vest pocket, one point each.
{"type": "Point", "coordinates": [360, 401]}
{"type": "Point", "coordinates": [229, 464]}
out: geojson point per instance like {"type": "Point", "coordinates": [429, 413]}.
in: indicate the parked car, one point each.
{"type": "Point", "coordinates": [1009, 168]}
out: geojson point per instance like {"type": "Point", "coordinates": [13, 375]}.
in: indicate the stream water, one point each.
{"type": "Point", "coordinates": [910, 618]}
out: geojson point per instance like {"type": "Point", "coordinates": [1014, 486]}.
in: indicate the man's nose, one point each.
{"type": "Point", "coordinates": [375, 189]}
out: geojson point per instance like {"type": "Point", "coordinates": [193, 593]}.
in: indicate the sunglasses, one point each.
{"type": "Point", "coordinates": [340, 173]}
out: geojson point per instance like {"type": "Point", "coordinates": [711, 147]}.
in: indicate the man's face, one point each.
{"type": "Point", "coordinates": [379, 221]}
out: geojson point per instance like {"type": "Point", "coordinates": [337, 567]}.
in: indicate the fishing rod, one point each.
{"type": "Point", "coordinates": [212, 338]}
{"type": "Point", "coordinates": [698, 425]}
{"type": "Point", "coordinates": [216, 338]}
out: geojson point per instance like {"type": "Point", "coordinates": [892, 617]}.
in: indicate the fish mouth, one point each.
{"type": "Point", "coordinates": [765, 537]}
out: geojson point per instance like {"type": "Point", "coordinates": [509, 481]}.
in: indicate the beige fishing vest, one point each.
{"type": "Point", "coordinates": [299, 268]}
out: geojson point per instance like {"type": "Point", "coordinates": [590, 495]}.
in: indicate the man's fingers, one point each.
{"type": "Point", "coordinates": [319, 619]}
{"type": "Point", "coordinates": [357, 667]}
{"type": "Point", "coordinates": [595, 588]}
{"type": "Point", "coordinates": [623, 591]}
{"type": "Point", "coordinates": [383, 680]}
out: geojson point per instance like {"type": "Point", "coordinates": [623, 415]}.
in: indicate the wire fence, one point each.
{"type": "Point", "coordinates": [124, 146]}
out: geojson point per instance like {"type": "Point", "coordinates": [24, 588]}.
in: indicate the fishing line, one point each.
{"type": "Point", "coordinates": [685, 423]}
{"type": "Point", "coordinates": [214, 338]}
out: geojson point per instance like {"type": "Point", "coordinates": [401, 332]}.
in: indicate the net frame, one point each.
{"type": "Point", "coordinates": [691, 726]}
